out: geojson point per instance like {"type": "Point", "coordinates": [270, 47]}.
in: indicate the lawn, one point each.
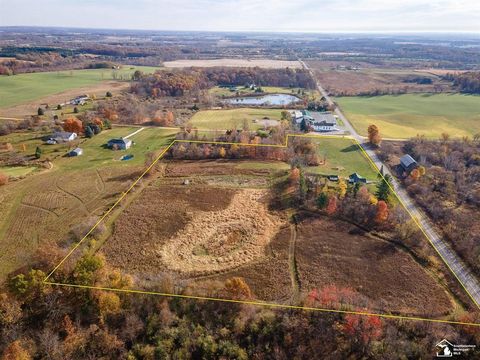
{"type": "Point", "coordinates": [343, 157]}
{"type": "Point", "coordinates": [95, 154]}
{"type": "Point", "coordinates": [22, 88]}
{"type": "Point", "coordinates": [405, 116]}
{"type": "Point", "coordinates": [233, 118]}
{"type": "Point", "coordinates": [27, 142]}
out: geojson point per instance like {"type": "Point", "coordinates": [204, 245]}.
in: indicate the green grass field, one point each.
{"type": "Point", "coordinates": [16, 171]}
{"type": "Point", "coordinates": [405, 116]}
{"type": "Point", "coordinates": [96, 155]}
{"type": "Point", "coordinates": [223, 92]}
{"type": "Point", "coordinates": [343, 157]}
{"type": "Point", "coordinates": [19, 89]}
{"type": "Point", "coordinates": [233, 118]}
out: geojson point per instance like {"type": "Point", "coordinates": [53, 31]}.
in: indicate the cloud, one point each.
{"type": "Point", "coordinates": [248, 15]}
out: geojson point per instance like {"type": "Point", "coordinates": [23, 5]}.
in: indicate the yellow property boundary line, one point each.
{"type": "Point", "coordinates": [257, 303]}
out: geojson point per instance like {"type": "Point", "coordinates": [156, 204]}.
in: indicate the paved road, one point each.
{"type": "Point", "coordinates": [450, 257]}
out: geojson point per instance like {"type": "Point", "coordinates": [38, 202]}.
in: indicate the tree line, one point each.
{"type": "Point", "coordinates": [179, 82]}
{"type": "Point", "coordinates": [468, 82]}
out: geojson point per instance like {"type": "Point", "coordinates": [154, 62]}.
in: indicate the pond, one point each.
{"type": "Point", "coordinates": [270, 99]}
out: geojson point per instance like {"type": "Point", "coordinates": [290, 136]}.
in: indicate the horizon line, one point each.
{"type": "Point", "coordinates": [257, 31]}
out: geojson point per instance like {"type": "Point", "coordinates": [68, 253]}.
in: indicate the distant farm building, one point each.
{"type": "Point", "coordinates": [356, 178]}
{"type": "Point", "coordinates": [120, 144]}
{"type": "Point", "coordinates": [333, 178]}
{"type": "Point", "coordinates": [76, 152]}
{"type": "Point", "coordinates": [318, 121]}
{"type": "Point", "coordinates": [407, 163]}
{"type": "Point", "coordinates": [324, 122]}
{"type": "Point", "coordinates": [62, 137]}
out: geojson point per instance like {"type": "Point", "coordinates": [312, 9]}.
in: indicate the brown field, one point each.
{"type": "Point", "coordinates": [367, 79]}
{"type": "Point", "coordinates": [30, 108]}
{"type": "Point", "coordinates": [201, 234]}
{"type": "Point", "coordinates": [262, 63]}
{"type": "Point", "coordinates": [384, 276]}
{"type": "Point", "coordinates": [6, 59]}
{"type": "Point", "coordinates": [440, 72]}
{"type": "Point", "coordinates": [192, 230]}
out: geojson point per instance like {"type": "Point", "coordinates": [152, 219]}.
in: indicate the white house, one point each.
{"type": "Point", "coordinates": [121, 143]}
{"type": "Point", "coordinates": [62, 136]}
{"type": "Point", "coordinates": [324, 122]}
{"type": "Point", "coordinates": [319, 121]}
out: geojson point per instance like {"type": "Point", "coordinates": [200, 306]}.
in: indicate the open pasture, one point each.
{"type": "Point", "coordinates": [242, 91]}
{"type": "Point", "coordinates": [58, 205]}
{"type": "Point", "coordinates": [22, 88]}
{"type": "Point", "coordinates": [406, 116]}
{"type": "Point", "coordinates": [233, 118]}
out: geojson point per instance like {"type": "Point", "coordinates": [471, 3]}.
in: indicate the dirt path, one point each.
{"type": "Point", "coordinates": [40, 208]}
{"type": "Point", "coordinates": [101, 184]}
{"type": "Point", "coordinates": [134, 133]}
{"type": "Point", "coordinates": [72, 195]}
{"type": "Point", "coordinates": [292, 264]}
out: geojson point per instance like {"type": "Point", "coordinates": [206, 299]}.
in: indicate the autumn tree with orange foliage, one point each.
{"type": "Point", "coordinates": [382, 212]}
{"type": "Point", "coordinates": [99, 122]}
{"type": "Point", "coordinates": [73, 125]}
{"type": "Point", "coordinates": [237, 289]}
{"type": "Point", "coordinates": [364, 329]}
{"type": "Point", "coordinates": [15, 351]}
{"type": "Point", "coordinates": [332, 205]}
{"type": "Point", "coordinates": [415, 174]}
{"type": "Point", "coordinates": [374, 135]}
{"type": "Point", "coordinates": [3, 179]}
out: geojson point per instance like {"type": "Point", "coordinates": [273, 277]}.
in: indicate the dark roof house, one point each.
{"type": "Point", "coordinates": [408, 163]}
{"type": "Point", "coordinates": [76, 152]}
{"type": "Point", "coordinates": [120, 143]}
{"type": "Point", "coordinates": [355, 178]}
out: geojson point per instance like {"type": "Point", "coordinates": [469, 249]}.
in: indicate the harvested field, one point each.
{"type": "Point", "coordinates": [262, 63]}
{"type": "Point", "coordinates": [47, 207]}
{"type": "Point", "coordinates": [191, 231]}
{"type": "Point", "coordinates": [388, 279]}
{"type": "Point", "coordinates": [367, 80]}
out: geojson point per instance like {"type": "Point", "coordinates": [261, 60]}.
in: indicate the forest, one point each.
{"type": "Point", "coordinates": [449, 191]}
{"type": "Point", "coordinates": [177, 83]}
{"type": "Point", "coordinates": [468, 82]}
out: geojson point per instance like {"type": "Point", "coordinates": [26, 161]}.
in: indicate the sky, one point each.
{"type": "Point", "coordinates": [249, 15]}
